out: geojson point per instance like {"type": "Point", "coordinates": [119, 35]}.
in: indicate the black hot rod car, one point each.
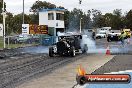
{"type": "Point", "coordinates": [68, 45]}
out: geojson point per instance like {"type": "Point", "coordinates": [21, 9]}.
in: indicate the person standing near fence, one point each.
{"type": "Point", "coordinates": [93, 34]}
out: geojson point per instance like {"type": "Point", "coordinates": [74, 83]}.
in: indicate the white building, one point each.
{"type": "Point", "coordinates": [54, 18]}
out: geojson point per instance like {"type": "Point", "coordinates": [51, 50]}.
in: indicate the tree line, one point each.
{"type": "Point", "coordinates": [91, 19]}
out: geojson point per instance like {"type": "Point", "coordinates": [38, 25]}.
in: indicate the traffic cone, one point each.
{"type": "Point", "coordinates": [108, 50]}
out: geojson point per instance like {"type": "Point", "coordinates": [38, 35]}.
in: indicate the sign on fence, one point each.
{"type": "Point", "coordinates": [34, 29]}
{"type": "Point", "coordinates": [25, 28]}
{"type": "Point", "coordinates": [38, 29]}
{"type": "Point", "coordinates": [1, 29]}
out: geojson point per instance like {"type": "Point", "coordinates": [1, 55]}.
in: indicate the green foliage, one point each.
{"type": "Point", "coordinates": [66, 18]}
{"type": "Point", "coordinates": [38, 5]}
{"type": "Point", "coordinates": [9, 23]}
{"type": "Point", "coordinates": [1, 6]}
{"type": "Point", "coordinates": [74, 20]}
{"type": "Point", "coordinates": [114, 20]}
{"type": "Point", "coordinates": [17, 22]}
{"type": "Point", "coordinates": [34, 18]}
{"type": "Point", "coordinates": [128, 20]}
{"type": "Point", "coordinates": [96, 17]}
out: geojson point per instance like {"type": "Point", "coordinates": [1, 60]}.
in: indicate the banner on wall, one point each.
{"type": "Point", "coordinates": [38, 29]}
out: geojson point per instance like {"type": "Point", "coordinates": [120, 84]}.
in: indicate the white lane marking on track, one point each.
{"type": "Point", "coordinates": [119, 72]}
{"type": "Point", "coordinates": [78, 86]}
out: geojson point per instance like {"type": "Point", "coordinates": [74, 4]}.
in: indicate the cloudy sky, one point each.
{"type": "Point", "coordinates": [15, 6]}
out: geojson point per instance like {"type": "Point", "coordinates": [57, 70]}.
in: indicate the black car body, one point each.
{"type": "Point", "coordinates": [67, 45]}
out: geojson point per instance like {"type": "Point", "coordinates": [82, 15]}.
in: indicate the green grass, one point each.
{"type": "Point", "coordinates": [19, 45]}
{"type": "Point", "coordinates": [1, 42]}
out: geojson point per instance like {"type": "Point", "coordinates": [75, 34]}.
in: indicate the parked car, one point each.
{"type": "Point", "coordinates": [11, 39]}
{"type": "Point", "coordinates": [113, 36]}
{"type": "Point", "coordinates": [104, 29]}
{"type": "Point", "coordinates": [24, 39]}
{"type": "Point", "coordinates": [101, 35]}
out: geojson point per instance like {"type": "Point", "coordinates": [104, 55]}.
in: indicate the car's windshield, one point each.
{"type": "Point", "coordinates": [102, 33]}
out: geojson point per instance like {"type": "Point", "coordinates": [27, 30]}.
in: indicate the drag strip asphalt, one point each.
{"type": "Point", "coordinates": [118, 63]}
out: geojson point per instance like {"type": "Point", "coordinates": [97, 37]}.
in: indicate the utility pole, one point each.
{"type": "Point", "coordinates": [80, 25]}
{"type": "Point", "coordinates": [4, 23]}
{"type": "Point", "coordinates": [80, 2]}
{"type": "Point", "coordinates": [23, 11]}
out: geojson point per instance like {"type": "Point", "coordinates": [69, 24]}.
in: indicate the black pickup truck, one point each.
{"type": "Point", "coordinates": [113, 37]}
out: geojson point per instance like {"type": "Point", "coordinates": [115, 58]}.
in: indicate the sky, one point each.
{"type": "Point", "coordinates": [105, 6]}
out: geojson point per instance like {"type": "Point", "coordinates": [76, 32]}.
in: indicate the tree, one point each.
{"type": "Point", "coordinates": [39, 5]}
{"type": "Point", "coordinates": [117, 19]}
{"type": "Point", "coordinates": [74, 19]}
{"type": "Point", "coordinates": [86, 20]}
{"type": "Point", "coordinates": [100, 21]}
{"type": "Point", "coordinates": [96, 16]}
{"type": "Point", "coordinates": [9, 23]}
{"type": "Point", "coordinates": [66, 18]}
{"type": "Point", "coordinates": [128, 19]}
{"type": "Point", "coordinates": [108, 17]}
{"type": "Point", "coordinates": [17, 22]}
{"type": "Point", "coordinates": [108, 20]}
{"type": "Point", "coordinates": [1, 6]}
{"type": "Point", "coordinates": [34, 18]}
{"type": "Point", "coordinates": [117, 12]}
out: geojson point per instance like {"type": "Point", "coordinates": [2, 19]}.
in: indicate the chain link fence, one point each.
{"type": "Point", "coordinates": [22, 41]}
{"type": "Point", "coordinates": [28, 40]}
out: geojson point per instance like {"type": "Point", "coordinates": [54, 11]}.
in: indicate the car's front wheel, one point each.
{"type": "Point", "coordinates": [51, 52]}
{"type": "Point", "coordinates": [108, 39]}
{"type": "Point", "coordinates": [73, 52]}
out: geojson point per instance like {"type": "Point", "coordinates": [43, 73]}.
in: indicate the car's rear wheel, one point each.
{"type": "Point", "coordinates": [85, 48]}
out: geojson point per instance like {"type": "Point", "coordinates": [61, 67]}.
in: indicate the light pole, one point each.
{"type": "Point", "coordinates": [23, 11]}
{"type": "Point", "coordinates": [4, 23]}
{"type": "Point", "coordinates": [80, 25]}
{"type": "Point", "coordinates": [80, 1]}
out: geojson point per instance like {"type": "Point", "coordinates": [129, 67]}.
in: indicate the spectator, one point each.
{"type": "Point", "coordinates": [93, 35]}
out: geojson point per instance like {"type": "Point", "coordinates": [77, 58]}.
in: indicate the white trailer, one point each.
{"type": "Point", "coordinates": [104, 30]}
